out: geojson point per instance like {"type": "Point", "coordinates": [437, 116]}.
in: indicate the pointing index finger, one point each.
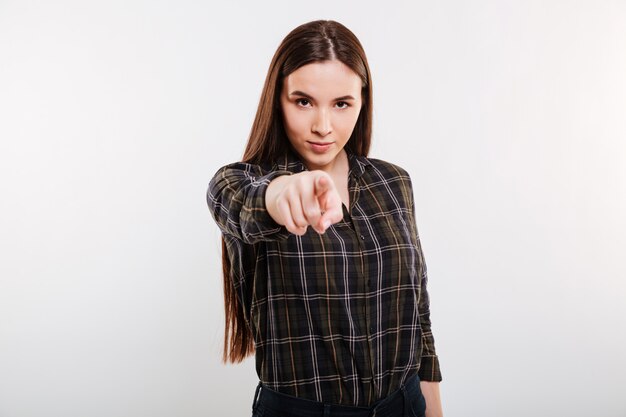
{"type": "Point", "coordinates": [322, 184]}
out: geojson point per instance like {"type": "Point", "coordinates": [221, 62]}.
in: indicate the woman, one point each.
{"type": "Point", "coordinates": [324, 276]}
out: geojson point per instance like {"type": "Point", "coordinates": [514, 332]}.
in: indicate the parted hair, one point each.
{"type": "Point", "coordinates": [316, 41]}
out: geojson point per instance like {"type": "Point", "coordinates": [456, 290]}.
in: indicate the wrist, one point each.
{"type": "Point", "coordinates": [272, 192]}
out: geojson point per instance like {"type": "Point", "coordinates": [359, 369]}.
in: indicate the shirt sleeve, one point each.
{"type": "Point", "coordinates": [429, 363]}
{"type": "Point", "coordinates": [236, 199]}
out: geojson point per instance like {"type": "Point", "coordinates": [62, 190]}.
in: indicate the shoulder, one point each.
{"type": "Point", "coordinates": [247, 171]}
{"type": "Point", "coordinates": [285, 164]}
{"type": "Point", "coordinates": [241, 175]}
{"type": "Point", "coordinates": [387, 170]}
{"type": "Point", "coordinates": [242, 168]}
{"type": "Point", "coordinates": [389, 180]}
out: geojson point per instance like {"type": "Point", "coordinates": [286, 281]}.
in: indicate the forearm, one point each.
{"type": "Point", "coordinates": [430, 390]}
{"type": "Point", "coordinates": [236, 199]}
{"type": "Point", "coordinates": [274, 189]}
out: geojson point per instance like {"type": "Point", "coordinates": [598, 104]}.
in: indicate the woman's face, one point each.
{"type": "Point", "coordinates": [320, 104]}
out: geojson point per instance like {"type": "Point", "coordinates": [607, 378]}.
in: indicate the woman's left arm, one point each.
{"type": "Point", "coordinates": [429, 372]}
{"type": "Point", "coordinates": [430, 390]}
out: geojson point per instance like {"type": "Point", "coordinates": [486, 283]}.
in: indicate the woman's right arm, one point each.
{"type": "Point", "coordinates": [255, 206]}
{"type": "Point", "coordinates": [236, 199]}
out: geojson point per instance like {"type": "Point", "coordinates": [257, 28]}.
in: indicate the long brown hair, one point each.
{"type": "Point", "coordinates": [320, 40]}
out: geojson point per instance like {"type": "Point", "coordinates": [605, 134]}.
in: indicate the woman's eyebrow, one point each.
{"type": "Point", "coordinates": [305, 95]}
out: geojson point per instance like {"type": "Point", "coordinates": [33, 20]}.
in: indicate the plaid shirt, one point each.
{"type": "Point", "coordinates": [341, 317]}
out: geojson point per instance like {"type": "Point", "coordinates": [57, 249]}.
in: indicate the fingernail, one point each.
{"type": "Point", "coordinates": [326, 224]}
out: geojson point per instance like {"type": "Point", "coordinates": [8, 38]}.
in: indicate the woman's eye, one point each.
{"type": "Point", "coordinates": [342, 104]}
{"type": "Point", "coordinates": [302, 102]}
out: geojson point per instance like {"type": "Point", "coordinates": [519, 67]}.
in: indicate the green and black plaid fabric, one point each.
{"type": "Point", "coordinates": [341, 317]}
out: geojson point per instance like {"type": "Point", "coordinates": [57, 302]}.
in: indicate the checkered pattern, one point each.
{"type": "Point", "coordinates": [341, 317]}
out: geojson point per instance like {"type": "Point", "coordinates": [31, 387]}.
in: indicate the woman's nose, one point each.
{"type": "Point", "coordinates": [322, 125]}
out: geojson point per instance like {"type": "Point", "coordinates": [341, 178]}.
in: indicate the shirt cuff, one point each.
{"type": "Point", "coordinates": [429, 369]}
{"type": "Point", "coordinates": [259, 224]}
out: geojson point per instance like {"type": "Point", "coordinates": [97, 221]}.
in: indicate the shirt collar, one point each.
{"type": "Point", "coordinates": [291, 162]}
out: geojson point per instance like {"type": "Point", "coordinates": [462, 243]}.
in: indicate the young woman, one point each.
{"type": "Point", "coordinates": [324, 277]}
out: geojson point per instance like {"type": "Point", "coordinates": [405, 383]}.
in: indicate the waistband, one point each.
{"type": "Point", "coordinates": [405, 401]}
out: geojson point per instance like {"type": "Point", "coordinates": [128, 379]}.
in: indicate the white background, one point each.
{"type": "Point", "coordinates": [509, 115]}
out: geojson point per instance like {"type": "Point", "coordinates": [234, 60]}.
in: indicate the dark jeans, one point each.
{"type": "Point", "coordinates": [407, 401]}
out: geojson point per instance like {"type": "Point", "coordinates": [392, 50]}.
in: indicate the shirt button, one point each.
{"type": "Point", "coordinates": [362, 237]}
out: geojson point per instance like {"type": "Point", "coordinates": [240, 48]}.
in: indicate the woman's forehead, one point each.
{"type": "Point", "coordinates": [323, 79]}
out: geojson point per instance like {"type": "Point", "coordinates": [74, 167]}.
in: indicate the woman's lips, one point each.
{"type": "Point", "coordinates": [320, 147]}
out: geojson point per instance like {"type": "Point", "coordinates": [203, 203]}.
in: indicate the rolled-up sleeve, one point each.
{"type": "Point", "coordinates": [429, 362]}
{"type": "Point", "coordinates": [236, 199]}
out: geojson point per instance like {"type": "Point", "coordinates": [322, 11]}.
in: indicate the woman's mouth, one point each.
{"type": "Point", "coordinates": [320, 147]}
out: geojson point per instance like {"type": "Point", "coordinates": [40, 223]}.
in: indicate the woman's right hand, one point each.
{"type": "Point", "coordinates": [308, 198]}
